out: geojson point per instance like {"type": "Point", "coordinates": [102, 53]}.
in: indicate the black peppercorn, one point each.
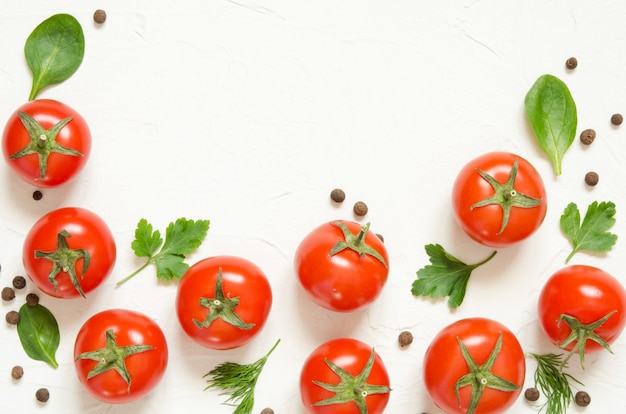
{"type": "Point", "coordinates": [32, 299]}
{"type": "Point", "coordinates": [587, 136]}
{"type": "Point", "coordinates": [360, 208]}
{"type": "Point", "coordinates": [571, 63]}
{"type": "Point", "coordinates": [582, 399]}
{"type": "Point", "coordinates": [531, 394]}
{"type": "Point", "coordinates": [8, 293]}
{"type": "Point", "coordinates": [591, 178]}
{"type": "Point", "coordinates": [17, 372]}
{"type": "Point", "coordinates": [337, 195]}
{"type": "Point", "coordinates": [380, 236]}
{"type": "Point", "coordinates": [12, 317]}
{"type": "Point", "coordinates": [37, 195]}
{"type": "Point", "coordinates": [617, 119]}
{"type": "Point", "coordinates": [42, 395]}
{"type": "Point", "coordinates": [19, 282]}
{"type": "Point", "coordinates": [405, 339]}
{"type": "Point", "coordinates": [267, 411]}
{"type": "Point", "coordinates": [99, 16]}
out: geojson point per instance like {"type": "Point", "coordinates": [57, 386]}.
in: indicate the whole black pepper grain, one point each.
{"type": "Point", "coordinates": [17, 372]}
{"type": "Point", "coordinates": [12, 317]}
{"type": "Point", "coordinates": [360, 208]}
{"type": "Point", "coordinates": [19, 282]}
{"type": "Point", "coordinates": [380, 236]}
{"type": "Point", "coordinates": [591, 178]}
{"type": "Point", "coordinates": [587, 136]}
{"type": "Point", "coordinates": [531, 394]}
{"type": "Point", "coordinates": [267, 411]}
{"type": "Point", "coordinates": [582, 399]}
{"type": "Point", "coordinates": [32, 299]}
{"type": "Point", "coordinates": [8, 293]}
{"type": "Point", "coordinates": [617, 119]}
{"type": "Point", "coordinates": [405, 339]}
{"type": "Point", "coordinates": [337, 195]}
{"type": "Point", "coordinates": [99, 16]}
{"type": "Point", "coordinates": [37, 195]}
{"type": "Point", "coordinates": [571, 63]}
{"type": "Point", "coordinates": [42, 395]}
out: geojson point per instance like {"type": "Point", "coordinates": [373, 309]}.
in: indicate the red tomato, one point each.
{"type": "Point", "coordinates": [519, 194]}
{"type": "Point", "coordinates": [350, 358]}
{"type": "Point", "coordinates": [226, 316]}
{"type": "Point", "coordinates": [342, 265]}
{"type": "Point", "coordinates": [139, 348]}
{"type": "Point", "coordinates": [587, 294]}
{"type": "Point", "coordinates": [69, 252]}
{"type": "Point", "coordinates": [446, 368]}
{"type": "Point", "coordinates": [57, 157]}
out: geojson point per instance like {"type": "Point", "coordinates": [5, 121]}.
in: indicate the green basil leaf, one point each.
{"type": "Point", "coordinates": [54, 51]}
{"type": "Point", "coordinates": [551, 111]}
{"type": "Point", "coordinates": [39, 333]}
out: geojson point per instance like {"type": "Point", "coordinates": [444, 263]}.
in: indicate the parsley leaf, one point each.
{"type": "Point", "coordinates": [182, 237]}
{"type": "Point", "coordinates": [445, 276]}
{"type": "Point", "coordinates": [592, 235]}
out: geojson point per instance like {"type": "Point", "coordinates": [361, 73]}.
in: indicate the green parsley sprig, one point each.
{"type": "Point", "coordinates": [182, 238]}
{"type": "Point", "coordinates": [445, 276]}
{"type": "Point", "coordinates": [238, 381]}
{"type": "Point", "coordinates": [592, 234]}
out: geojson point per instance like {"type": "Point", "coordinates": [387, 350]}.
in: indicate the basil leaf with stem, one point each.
{"type": "Point", "coordinates": [54, 51]}
{"type": "Point", "coordinates": [551, 111]}
{"type": "Point", "coordinates": [39, 334]}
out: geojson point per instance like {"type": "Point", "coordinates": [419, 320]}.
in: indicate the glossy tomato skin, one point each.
{"type": "Point", "coordinates": [444, 365]}
{"type": "Point", "coordinates": [88, 231]}
{"type": "Point", "coordinates": [146, 368]}
{"type": "Point", "coordinates": [61, 168]}
{"type": "Point", "coordinates": [484, 223]}
{"type": "Point", "coordinates": [588, 294]}
{"type": "Point", "coordinates": [240, 279]}
{"type": "Point", "coordinates": [343, 282]}
{"type": "Point", "coordinates": [351, 355]}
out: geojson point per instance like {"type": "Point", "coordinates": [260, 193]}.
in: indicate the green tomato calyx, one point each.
{"type": "Point", "coordinates": [351, 388]}
{"type": "Point", "coordinates": [356, 242]}
{"type": "Point", "coordinates": [64, 260]}
{"type": "Point", "coordinates": [113, 356]}
{"type": "Point", "coordinates": [43, 142]}
{"type": "Point", "coordinates": [581, 333]}
{"type": "Point", "coordinates": [506, 196]}
{"type": "Point", "coordinates": [221, 307]}
{"type": "Point", "coordinates": [480, 376]}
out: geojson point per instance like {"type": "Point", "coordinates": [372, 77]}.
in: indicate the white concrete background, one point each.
{"type": "Point", "coordinates": [248, 112]}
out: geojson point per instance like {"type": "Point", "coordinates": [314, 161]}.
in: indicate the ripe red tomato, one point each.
{"type": "Point", "coordinates": [223, 302]}
{"type": "Point", "coordinates": [586, 295]}
{"type": "Point", "coordinates": [329, 372]}
{"type": "Point", "coordinates": [499, 199]}
{"type": "Point", "coordinates": [493, 353]}
{"type": "Point", "coordinates": [38, 151]}
{"type": "Point", "coordinates": [120, 355]}
{"type": "Point", "coordinates": [69, 252]}
{"type": "Point", "coordinates": [342, 265]}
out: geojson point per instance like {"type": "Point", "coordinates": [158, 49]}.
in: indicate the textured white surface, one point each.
{"type": "Point", "coordinates": [248, 112]}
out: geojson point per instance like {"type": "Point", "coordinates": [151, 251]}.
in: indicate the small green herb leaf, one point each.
{"type": "Point", "coordinates": [592, 235]}
{"type": "Point", "coordinates": [182, 238]}
{"type": "Point", "coordinates": [39, 334]}
{"type": "Point", "coordinates": [238, 381]}
{"type": "Point", "coordinates": [551, 111]}
{"type": "Point", "coordinates": [54, 51]}
{"type": "Point", "coordinates": [445, 276]}
{"type": "Point", "coordinates": [147, 241]}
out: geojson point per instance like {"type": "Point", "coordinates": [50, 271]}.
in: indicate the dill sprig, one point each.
{"type": "Point", "coordinates": [237, 381]}
{"type": "Point", "coordinates": [554, 383]}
